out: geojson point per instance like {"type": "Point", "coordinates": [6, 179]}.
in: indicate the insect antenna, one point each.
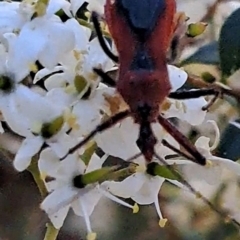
{"type": "Point", "coordinates": [197, 193]}
{"type": "Point", "coordinates": [101, 39]}
{"type": "Point", "coordinates": [102, 127]}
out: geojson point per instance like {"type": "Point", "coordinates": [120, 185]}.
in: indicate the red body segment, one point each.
{"type": "Point", "coordinates": [142, 86]}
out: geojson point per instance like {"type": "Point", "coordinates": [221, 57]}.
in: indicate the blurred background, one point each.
{"type": "Point", "coordinates": [188, 217]}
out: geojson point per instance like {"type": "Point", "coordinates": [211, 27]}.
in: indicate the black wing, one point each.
{"type": "Point", "coordinates": [141, 14]}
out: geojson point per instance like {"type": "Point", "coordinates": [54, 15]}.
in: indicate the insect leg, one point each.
{"type": "Point", "coordinates": [101, 39]}
{"type": "Point", "coordinates": [105, 78]}
{"type": "Point", "coordinates": [196, 93]}
{"type": "Point", "coordinates": [100, 128]}
{"type": "Point", "coordinates": [179, 152]}
{"type": "Point", "coordinates": [197, 193]}
{"type": "Point", "coordinates": [186, 94]}
{"type": "Point", "coordinates": [182, 140]}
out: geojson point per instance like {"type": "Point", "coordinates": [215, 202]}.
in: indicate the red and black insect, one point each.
{"type": "Point", "coordinates": [142, 31]}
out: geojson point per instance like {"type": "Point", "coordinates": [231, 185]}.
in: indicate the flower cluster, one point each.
{"type": "Point", "coordinates": [52, 98]}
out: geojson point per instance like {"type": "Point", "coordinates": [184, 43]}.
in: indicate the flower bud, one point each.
{"type": "Point", "coordinates": [196, 29]}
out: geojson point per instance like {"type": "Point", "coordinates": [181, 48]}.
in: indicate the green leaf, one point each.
{"type": "Point", "coordinates": [230, 142]}
{"type": "Point", "coordinates": [207, 54]}
{"type": "Point", "coordinates": [229, 45]}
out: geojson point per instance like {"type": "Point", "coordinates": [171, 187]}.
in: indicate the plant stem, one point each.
{"type": "Point", "coordinates": [51, 233]}
{"type": "Point", "coordinates": [33, 169]}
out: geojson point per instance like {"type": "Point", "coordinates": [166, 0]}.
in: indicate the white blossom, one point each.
{"type": "Point", "coordinates": [64, 193]}
{"type": "Point", "coordinates": [142, 187]}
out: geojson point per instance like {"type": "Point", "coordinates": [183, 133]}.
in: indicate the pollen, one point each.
{"type": "Point", "coordinates": [87, 15]}
{"type": "Point", "coordinates": [71, 120]}
{"type": "Point", "coordinates": [209, 164]}
{"type": "Point", "coordinates": [135, 208]}
{"type": "Point", "coordinates": [91, 236]}
{"type": "Point", "coordinates": [33, 67]}
{"type": "Point", "coordinates": [162, 222]}
{"type": "Point", "coordinates": [77, 54]}
{"type": "Point", "coordinates": [166, 105]}
{"type": "Point", "coordinates": [70, 89]}
{"type": "Point", "coordinates": [36, 127]}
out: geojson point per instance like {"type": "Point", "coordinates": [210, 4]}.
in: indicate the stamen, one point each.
{"type": "Point", "coordinates": [117, 200]}
{"type": "Point", "coordinates": [162, 222]}
{"type": "Point", "coordinates": [86, 217]}
{"type": "Point", "coordinates": [217, 132]}
{"type": "Point", "coordinates": [135, 208]}
{"type": "Point", "coordinates": [91, 236]}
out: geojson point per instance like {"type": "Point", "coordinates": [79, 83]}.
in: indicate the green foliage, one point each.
{"type": "Point", "coordinates": [229, 45]}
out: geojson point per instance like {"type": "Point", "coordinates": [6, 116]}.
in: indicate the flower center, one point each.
{"type": "Point", "coordinates": [151, 168]}
{"type": "Point", "coordinates": [50, 129]}
{"type": "Point", "coordinates": [6, 84]}
{"type": "Point", "coordinates": [78, 182]}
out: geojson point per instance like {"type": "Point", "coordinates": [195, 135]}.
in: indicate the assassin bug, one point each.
{"type": "Point", "coordinates": [142, 31]}
{"type": "Point", "coordinates": [148, 26]}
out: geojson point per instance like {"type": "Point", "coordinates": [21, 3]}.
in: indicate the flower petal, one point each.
{"type": "Point", "coordinates": [126, 188]}
{"type": "Point", "coordinates": [177, 77]}
{"type": "Point", "coordinates": [90, 199]}
{"type": "Point", "coordinates": [29, 147]}
{"type": "Point", "coordinates": [57, 204]}
{"type": "Point", "coordinates": [149, 190]}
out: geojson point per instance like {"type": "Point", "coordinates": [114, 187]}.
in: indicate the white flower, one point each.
{"type": "Point", "coordinates": [37, 113]}
{"type": "Point", "coordinates": [124, 134]}
{"type": "Point", "coordinates": [66, 194]}
{"type": "Point", "coordinates": [75, 5]}
{"type": "Point", "coordinates": [37, 41]}
{"type": "Point", "coordinates": [79, 62]}
{"type": "Point", "coordinates": [10, 19]}
{"type": "Point", "coordinates": [189, 110]}
{"type": "Point", "coordinates": [120, 140]}
{"type": "Point", "coordinates": [90, 112]}
{"type": "Point", "coordinates": [211, 173]}
{"type": "Point", "coordinates": [142, 187]}
{"type": "Point", "coordinates": [96, 5]}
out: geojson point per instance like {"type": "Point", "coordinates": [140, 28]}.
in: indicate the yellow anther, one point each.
{"type": "Point", "coordinates": [209, 164]}
{"type": "Point", "coordinates": [87, 15]}
{"type": "Point", "coordinates": [33, 67]}
{"type": "Point", "coordinates": [77, 54]}
{"type": "Point", "coordinates": [36, 127]}
{"type": "Point", "coordinates": [71, 120]}
{"type": "Point", "coordinates": [91, 236]}
{"type": "Point", "coordinates": [135, 208]}
{"type": "Point", "coordinates": [70, 89]}
{"type": "Point", "coordinates": [162, 222]}
{"type": "Point", "coordinates": [166, 105]}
